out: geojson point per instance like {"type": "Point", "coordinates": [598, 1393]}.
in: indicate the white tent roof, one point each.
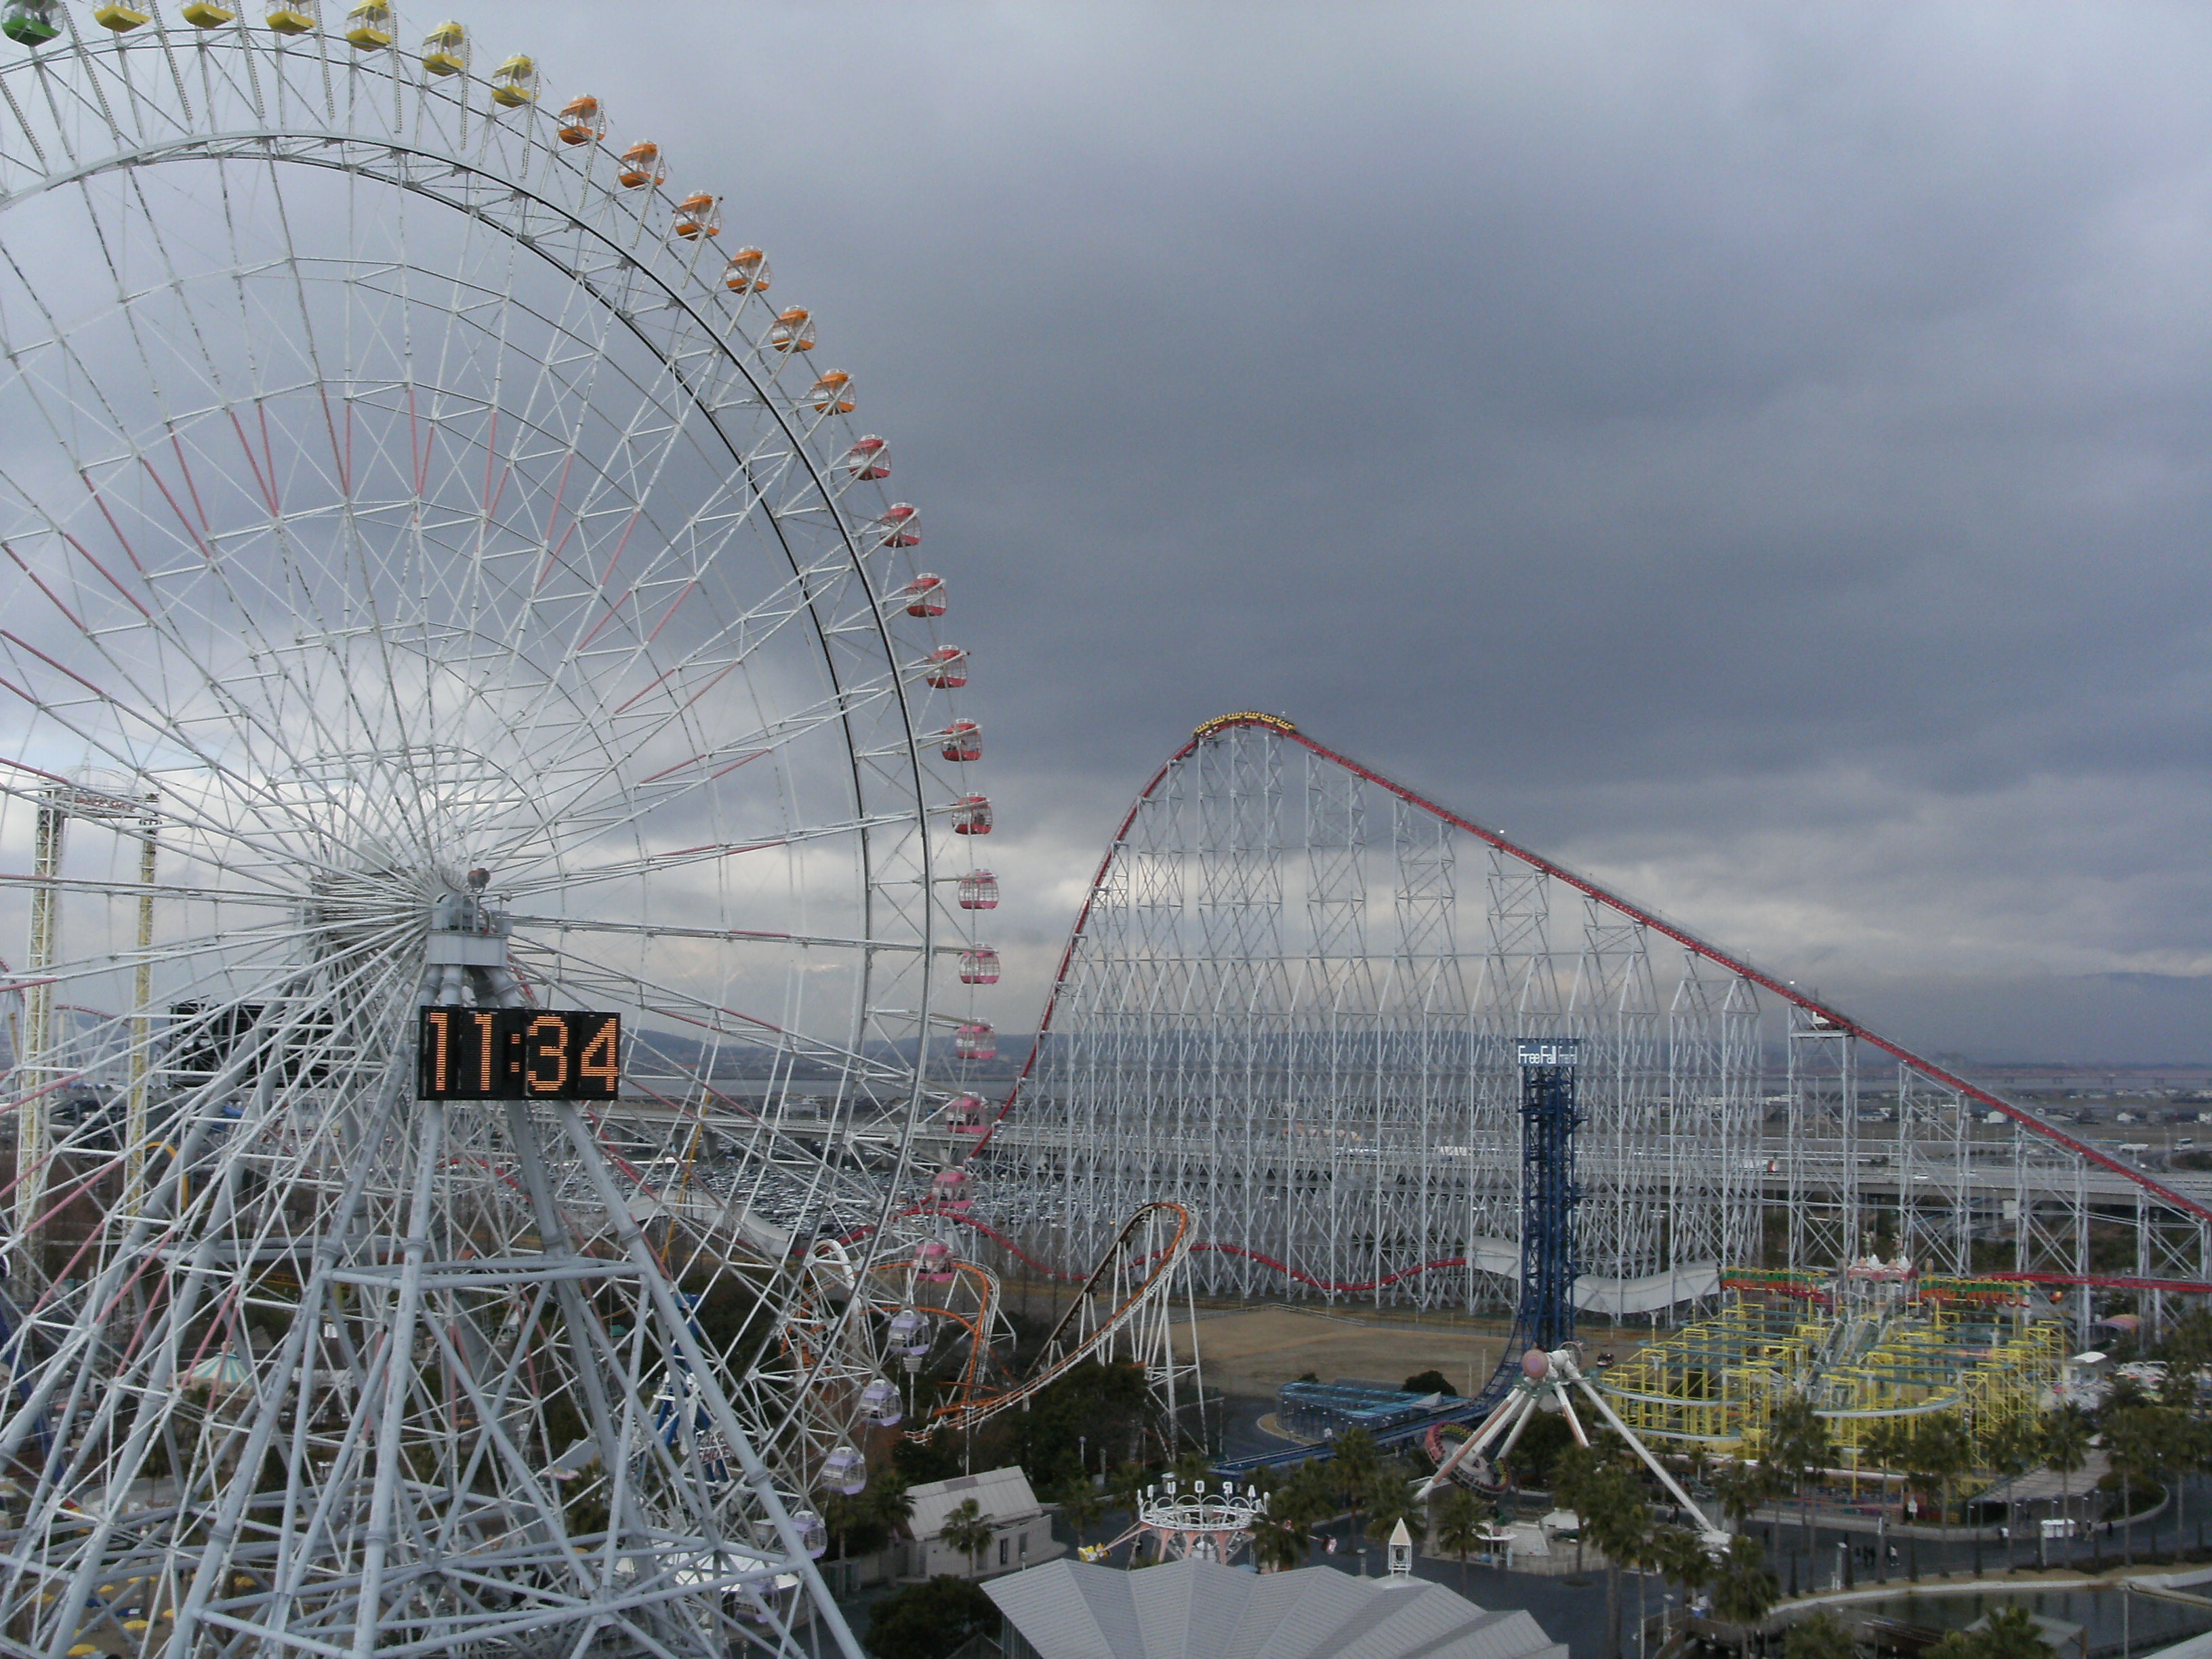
{"type": "Point", "coordinates": [1202, 1610]}
{"type": "Point", "coordinates": [1001, 1494]}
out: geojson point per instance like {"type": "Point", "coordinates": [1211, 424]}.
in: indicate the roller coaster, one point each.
{"type": "Point", "coordinates": [1290, 998]}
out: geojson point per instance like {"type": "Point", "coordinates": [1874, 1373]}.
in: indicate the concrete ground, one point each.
{"type": "Point", "coordinates": [1252, 1352]}
{"type": "Point", "coordinates": [1249, 1352]}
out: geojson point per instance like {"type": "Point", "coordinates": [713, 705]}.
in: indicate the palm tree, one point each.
{"type": "Point", "coordinates": [1610, 1502]}
{"type": "Point", "coordinates": [1940, 1453]}
{"type": "Point", "coordinates": [1389, 1498]}
{"type": "Point", "coordinates": [2065, 1449]}
{"type": "Point", "coordinates": [1356, 1463]}
{"type": "Point", "coordinates": [1572, 1473]}
{"type": "Point", "coordinates": [1798, 1446]}
{"type": "Point", "coordinates": [1460, 1523]}
{"type": "Point", "coordinates": [1680, 1554]}
{"type": "Point", "coordinates": [967, 1530]}
{"type": "Point", "coordinates": [1083, 1505]}
{"type": "Point", "coordinates": [1741, 1488]}
{"type": "Point", "coordinates": [2012, 1450]}
{"type": "Point", "coordinates": [2141, 1441]}
{"type": "Point", "coordinates": [1278, 1543]}
{"type": "Point", "coordinates": [1819, 1636]}
{"type": "Point", "coordinates": [1743, 1589]}
{"type": "Point", "coordinates": [2007, 1633]}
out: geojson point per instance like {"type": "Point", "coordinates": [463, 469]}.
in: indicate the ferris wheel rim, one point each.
{"type": "Point", "coordinates": [265, 145]}
{"type": "Point", "coordinates": [261, 146]}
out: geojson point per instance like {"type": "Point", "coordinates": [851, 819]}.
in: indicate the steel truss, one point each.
{"type": "Point", "coordinates": [435, 573]}
{"type": "Point", "coordinates": [1303, 1028]}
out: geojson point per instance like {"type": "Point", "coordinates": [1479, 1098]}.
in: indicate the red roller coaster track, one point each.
{"type": "Point", "coordinates": [1830, 1017]}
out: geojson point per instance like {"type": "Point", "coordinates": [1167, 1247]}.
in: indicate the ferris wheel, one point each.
{"type": "Point", "coordinates": [441, 585]}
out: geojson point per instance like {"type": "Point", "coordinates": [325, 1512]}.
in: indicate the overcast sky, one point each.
{"type": "Point", "coordinates": [1757, 454]}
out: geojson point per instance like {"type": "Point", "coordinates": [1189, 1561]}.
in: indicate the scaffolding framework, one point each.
{"type": "Point", "coordinates": [1869, 1346]}
{"type": "Point", "coordinates": [1305, 1028]}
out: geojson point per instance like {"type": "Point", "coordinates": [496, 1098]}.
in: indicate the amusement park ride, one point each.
{"type": "Point", "coordinates": [493, 1074]}
{"type": "Point", "coordinates": [1295, 997]}
{"type": "Point", "coordinates": [502, 906]}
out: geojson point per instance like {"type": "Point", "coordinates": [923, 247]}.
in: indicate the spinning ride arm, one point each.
{"type": "Point", "coordinates": [1554, 1375]}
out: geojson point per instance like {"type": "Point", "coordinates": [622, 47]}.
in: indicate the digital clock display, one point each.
{"type": "Point", "coordinates": [518, 1053]}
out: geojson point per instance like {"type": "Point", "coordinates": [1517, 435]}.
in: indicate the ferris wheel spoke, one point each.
{"type": "Point", "coordinates": [524, 926]}
{"type": "Point", "coordinates": [595, 977]}
{"type": "Point", "coordinates": [589, 810]}
{"type": "Point", "coordinates": [659, 863]}
{"type": "Point", "coordinates": [101, 741]}
{"type": "Point", "coordinates": [393, 495]}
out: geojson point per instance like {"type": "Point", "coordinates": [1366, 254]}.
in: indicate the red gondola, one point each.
{"type": "Point", "coordinates": [948, 668]}
{"type": "Point", "coordinates": [868, 459]}
{"type": "Point", "coordinates": [925, 595]}
{"type": "Point", "coordinates": [963, 741]}
{"type": "Point", "coordinates": [900, 526]}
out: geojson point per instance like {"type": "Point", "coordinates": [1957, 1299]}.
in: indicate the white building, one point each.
{"type": "Point", "coordinates": [1201, 1610]}
{"type": "Point", "coordinates": [1021, 1527]}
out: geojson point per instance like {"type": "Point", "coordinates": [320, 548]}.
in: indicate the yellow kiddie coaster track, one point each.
{"type": "Point", "coordinates": [1875, 1343]}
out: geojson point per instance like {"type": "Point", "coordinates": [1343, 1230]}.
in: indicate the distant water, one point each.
{"type": "Point", "coordinates": [2149, 1622]}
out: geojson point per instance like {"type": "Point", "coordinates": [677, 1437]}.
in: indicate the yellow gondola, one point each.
{"type": "Point", "coordinates": [514, 82]}
{"type": "Point", "coordinates": [446, 49]}
{"type": "Point", "coordinates": [369, 25]}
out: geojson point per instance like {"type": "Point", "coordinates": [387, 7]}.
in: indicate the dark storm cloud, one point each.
{"type": "Point", "coordinates": [1758, 452]}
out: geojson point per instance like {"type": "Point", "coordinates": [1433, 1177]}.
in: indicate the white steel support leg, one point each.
{"type": "Point", "coordinates": [35, 1071]}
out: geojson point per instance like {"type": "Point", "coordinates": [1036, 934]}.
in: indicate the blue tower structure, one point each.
{"type": "Point", "coordinates": [1550, 1261]}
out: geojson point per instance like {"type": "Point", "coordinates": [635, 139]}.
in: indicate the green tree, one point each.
{"type": "Point", "coordinates": [1356, 1463]}
{"type": "Point", "coordinates": [928, 1621]}
{"type": "Point", "coordinates": [1533, 1459]}
{"type": "Point", "coordinates": [1093, 1405]}
{"type": "Point", "coordinates": [844, 1516]}
{"type": "Point", "coordinates": [1680, 1556]}
{"type": "Point", "coordinates": [1389, 1498]}
{"type": "Point", "coordinates": [1460, 1521]}
{"type": "Point", "coordinates": [1799, 1447]}
{"type": "Point", "coordinates": [1084, 1506]}
{"type": "Point", "coordinates": [2005, 1633]}
{"type": "Point", "coordinates": [2141, 1443]}
{"type": "Point", "coordinates": [967, 1530]}
{"type": "Point", "coordinates": [890, 1503]}
{"type": "Point", "coordinates": [1941, 1451]}
{"type": "Point", "coordinates": [937, 1458]}
{"type": "Point", "coordinates": [1614, 1517]}
{"type": "Point", "coordinates": [2066, 1434]}
{"type": "Point", "coordinates": [1571, 1473]}
{"type": "Point", "coordinates": [1820, 1635]}
{"type": "Point", "coordinates": [1741, 1488]}
{"type": "Point", "coordinates": [1308, 1496]}
{"type": "Point", "coordinates": [1278, 1545]}
{"type": "Point", "coordinates": [2187, 1349]}
{"type": "Point", "coordinates": [1429, 1382]}
{"type": "Point", "coordinates": [2013, 1448]}
{"type": "Point", "coordinates": [1124, 1484]}
{"type": "Point", "coordinates": [1743, 1589]}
